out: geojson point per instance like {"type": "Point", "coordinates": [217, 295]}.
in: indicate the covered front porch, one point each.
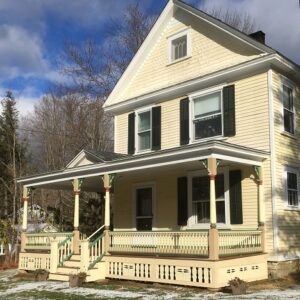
{"type": "Point", "coordinates": [143, 237]}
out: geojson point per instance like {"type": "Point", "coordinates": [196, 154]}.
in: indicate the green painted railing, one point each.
{"type": "Point", "coordinates": [65, 249]}
{"type": "Point", "coordinates": [96, 250]}
{"type": "Point", "coordinates": [240, 242]}
{"type": "Point", "coordinates": [160, 242]}
{"type": "Point", "coordinates": [42, 241]}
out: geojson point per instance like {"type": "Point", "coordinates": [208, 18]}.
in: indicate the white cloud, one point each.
{"type": "Point", "coordinates": [20, 53]}
{"type": "Point", "coordinates": [280, 20]}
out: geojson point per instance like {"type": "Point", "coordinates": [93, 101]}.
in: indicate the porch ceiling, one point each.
{"type": "Point", "coordinates": [164, 158]}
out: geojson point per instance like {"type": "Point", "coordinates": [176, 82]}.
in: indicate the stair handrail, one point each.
{"type": "Point", "coordinates": [96, 250]}
{"type": "Point", "coordinates": [65, 253]}
{"type": "Point", "coordinates": [99, 229]}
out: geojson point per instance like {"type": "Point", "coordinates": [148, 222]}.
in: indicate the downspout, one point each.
{"type": "Point", "coordinates": [273, 162]}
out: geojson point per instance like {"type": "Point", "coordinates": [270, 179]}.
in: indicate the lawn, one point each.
{"type": "Point", "coordinates": [25, 289]}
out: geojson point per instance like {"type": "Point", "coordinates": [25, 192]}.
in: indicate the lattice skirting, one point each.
{"type": "Point", "coordinates": [210, 274]}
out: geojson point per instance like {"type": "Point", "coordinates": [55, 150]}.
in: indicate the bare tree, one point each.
{"type": "Point", "coordinates": [242, 21]}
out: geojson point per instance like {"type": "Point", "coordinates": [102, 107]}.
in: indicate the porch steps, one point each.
{"type": "Point", "coordinates": [72, 266]}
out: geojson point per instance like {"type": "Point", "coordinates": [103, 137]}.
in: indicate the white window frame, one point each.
{"type": "Point", "coordinates": [137, 112]}
{"type": "Point", "coordinates": [191, 218]}
{"type": "Point", "coordinates": [171, 38]}
{"type": "Point", "coordinates": [136, 187]}
{"type": "Point", "coordinates": [191, 125]}
{"type": "Point", "coordinates": [287, 83]}
{"type": "Point", "coordinates": [285, 185]}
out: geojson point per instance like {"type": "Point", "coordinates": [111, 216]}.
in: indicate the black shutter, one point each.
{"type": "Point", "coordinates": [184, 121]}
{"type": "Point", "coordinates": [156, 128]}
{"type": "Point", "coordinates": [235, 192]}
{"type": "Point", "coordinates": [182, 207]}
{"type": "Point", "coordinates": [229, 110]}
{"type": "Point", "coordinates": [131, 133]}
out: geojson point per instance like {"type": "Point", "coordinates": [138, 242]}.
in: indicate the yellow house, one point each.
{"type": "Point", "coordinates": [205, 171]}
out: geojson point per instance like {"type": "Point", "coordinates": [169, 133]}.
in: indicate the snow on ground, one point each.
{"type": "Point", "coordinates": [22, 290]}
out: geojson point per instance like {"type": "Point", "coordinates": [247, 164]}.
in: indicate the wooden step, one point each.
{"type": "Point", "coordinates": [68, 270]}
{"type": "Point", "coordinates": [75, 257]}
{"type": "Point", "coordinates": [72, 263]}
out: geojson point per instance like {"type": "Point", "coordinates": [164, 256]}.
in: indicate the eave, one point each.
{"type": "Point", "coordinates": [198, 151]}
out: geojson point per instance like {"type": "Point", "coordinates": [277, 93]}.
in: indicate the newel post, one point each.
{"type": "Point", "coordinates": [54, 258]}
{"type": "Point", "coordinates": [261, 204]}
{"type": "Point", "coordinates": [211, 165]}
{"type": "Point", "coordinates": [84, 260]}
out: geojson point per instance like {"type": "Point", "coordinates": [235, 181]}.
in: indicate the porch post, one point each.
{"type": "Point", "coordinates": [107, 183]}
{"type": "Point", "coordinates": [213, 241]}
{"type": "Point", "coordinates": [261, 204]}
{"type": "Point", "coordinates": [25, 197]}
{"type": "Point", "coordinates": [76, 239]}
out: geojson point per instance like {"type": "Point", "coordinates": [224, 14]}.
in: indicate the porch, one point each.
{"type": "Point", "coordinates": [145, 243]}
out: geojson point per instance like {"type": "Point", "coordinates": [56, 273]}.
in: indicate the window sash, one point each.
{"type": "Point", "coordinates": [144, 133]}
{"type": "Point", "coordinates": [179, 47]}
{"type": "Point", "coordinates": [213, 112]}
{"type": "Point", "coordinates": [288, 109]}
{"type": "Point", "coordinates": [292, 189]}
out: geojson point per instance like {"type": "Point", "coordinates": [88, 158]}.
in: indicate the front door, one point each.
{"type": "Point", "coordinates": [144, 213]}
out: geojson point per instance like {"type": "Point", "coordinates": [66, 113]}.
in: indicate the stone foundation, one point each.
{"type": "Point", "coordinates": [281, 269]}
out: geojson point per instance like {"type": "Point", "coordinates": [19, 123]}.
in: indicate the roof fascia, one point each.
{"type": "Point", "coordinates": [237, 154]}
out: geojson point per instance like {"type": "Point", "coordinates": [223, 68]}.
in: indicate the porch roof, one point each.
{"type": "Point", "coordinates": [126, 163]}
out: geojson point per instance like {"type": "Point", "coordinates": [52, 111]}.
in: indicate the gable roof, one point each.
{"type": "Point", "coordinates": [169, 10]}
{"type": "Point", "coordinates": [93, 157]}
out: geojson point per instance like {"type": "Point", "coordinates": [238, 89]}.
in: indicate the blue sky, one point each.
{"type": "Point", "coordinates": [32, 34]}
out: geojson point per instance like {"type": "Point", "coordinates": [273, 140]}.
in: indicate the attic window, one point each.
{"type": "Point", "coordinates": [179, 46]}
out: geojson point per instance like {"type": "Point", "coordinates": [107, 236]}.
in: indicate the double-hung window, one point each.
{"type": "Point", "coordinates": [207, 115]}
{"type": "Point", "coordinates": [144, 130]}
{"type": "Point", "coordinates": [292, 188]}
{"type": "Point", "coordinates": [288, 109]}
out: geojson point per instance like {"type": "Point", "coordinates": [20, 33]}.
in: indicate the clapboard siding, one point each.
{"type": "Point", "coordinates": [287, 154]}
{"type": "Point", "coordinates": [211, 51]}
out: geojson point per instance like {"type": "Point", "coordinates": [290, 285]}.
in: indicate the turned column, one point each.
{"type": "Point", "coordinates": [76, 238]}
{"type": "Point", "coordinates": [25, 198]}
{"type": "Point", "coordinates": [261, 204]}
{"type": "Point", "coordinates": [213, 240]}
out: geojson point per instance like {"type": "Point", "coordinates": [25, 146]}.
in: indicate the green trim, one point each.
{"type": "Point", "coordinates": [61, 263]}
{"type": "Point", "coordinates": [204, 162]}
{"type": "Point", "coordinates": [65, 240]}
{"type": "Point", "coordinates": [111, 179]}
{"type": "Point", "coordinates": [240, 253]}
{"type": "Point", "coordinates": [160, 254]}
{"type": "Point", "coordinates": [91, 244]}
{"type": "Point", "coordinates": [92, 264]}
{"type": "Point", "coordinates": [46, 234]}
{"type": "Point", "coordinates": [257, 172]}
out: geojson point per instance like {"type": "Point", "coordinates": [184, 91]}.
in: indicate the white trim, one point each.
{"type": "Point", "coordinates": [273, 162]}
{"type": "Point", "coordinates": [142, 185]}
{"type": "Point", "coordinates": [185, 32]}
{"type": "Point", "coordinates": [292, 170]}
{"type": "Point", "coordinates": [289, 84]}
{"type": "Point", "coordinates": [136, 134]}
{"type": "Point", "coordinates": [153, 35]}
{"type": "Point", "coordinates": [201, 93]}
{"type": "Point", "coordinates": [258, 158]}
{"type": "Point", "coordinates": [191, 222]}
{"type": "Point", "coordinates": [115, 134]}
